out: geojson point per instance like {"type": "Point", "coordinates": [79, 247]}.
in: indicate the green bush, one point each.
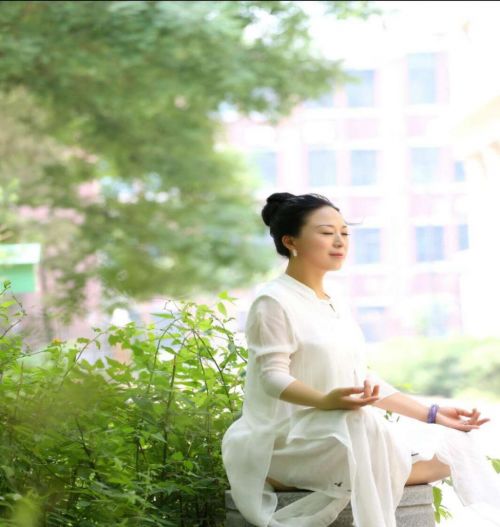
{"type": "Point", "coordinates": [109, 443]}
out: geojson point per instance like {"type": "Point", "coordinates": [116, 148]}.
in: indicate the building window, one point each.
{"type": "Point", "coordinates": [324, 101]}
{"type": "Point", "coordinates": [458, 171]}
{"type": "Point", "coordinates": [422, 78]}
{"type": "Point", "coordinates": [463, 237]}
{"type": "Point", "coordinates": [430, 243]}
{"type": "Point", "coordinates": [361, 92]}
{"type": "Point", "coordinates": [424, 164]}
{"type": "Point", "coordinates": [363, 167]}
{"type": "Point", "coordinates": [367, 245]}
{"type": "Point", "coordinates": [266, 165]}
{"type": "Point", "coordinates": [371, 321]}
{"type": "Point", "coordinates": [322, 168]}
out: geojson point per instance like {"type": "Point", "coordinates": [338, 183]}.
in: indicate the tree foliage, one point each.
{"type": "Point", "coordinates": [128, 95]}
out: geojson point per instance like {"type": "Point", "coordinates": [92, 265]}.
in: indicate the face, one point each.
{"type": "Point", "coordinates": [324, 236]}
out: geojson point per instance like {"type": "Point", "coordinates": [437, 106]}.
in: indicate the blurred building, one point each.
{"type": "Point", "coordinates": [381, 149]}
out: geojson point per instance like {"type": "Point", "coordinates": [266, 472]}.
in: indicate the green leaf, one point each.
{"type": "Point", "coordinates": [222, 308]}
{"type": "Point", "coordinates": [438, 496]}
{"type": "Point", "coordinates": [159, 436]}
{"type": "Point", "coordinates": [495, 463]}
{"type": "Point", "coordinates": [188, 464]}
{"type": "Point", "coordinates": [177, 456]}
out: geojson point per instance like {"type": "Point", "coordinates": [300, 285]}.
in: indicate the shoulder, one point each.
{"type": "Point", "coordinates": [268, 317]}
{"type": "Point", "coordinates": [270, 294]}
{"type": "Point", "coordinates": [270, 301]}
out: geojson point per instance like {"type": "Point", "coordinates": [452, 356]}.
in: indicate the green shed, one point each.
{"type": "Point", "coordinates": [18, 263]}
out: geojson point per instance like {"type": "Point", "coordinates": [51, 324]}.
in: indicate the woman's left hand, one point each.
{"type": "Point", "coordinates": [453, 418]}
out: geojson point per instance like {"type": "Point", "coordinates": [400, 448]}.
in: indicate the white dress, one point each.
{"type": "Point", "coordinates": [340, 455]}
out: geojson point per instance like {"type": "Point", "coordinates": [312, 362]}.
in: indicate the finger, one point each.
{"type": "Point", "coordinates": [468, 428]}
{"type": "Point", "coordinates": [364, 401]}
{"type": "Point", "coordinates": [352, 389]}
{"type": "Point", "coordinates": [370, 400]}
{"type": "Point", "coordinates": [367, 387]}
{"type": "Point", "coordinates": [376, 390]}
{"type": "Point", "coordinates": [354, 401]}
{"type": "Point", "coordinates": [475, 416]}
{"type": "Point", "coordinates": [364, 397]}
{"type": "Point", "coordinates": [466, 413]}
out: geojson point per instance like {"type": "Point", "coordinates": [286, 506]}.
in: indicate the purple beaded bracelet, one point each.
{"type": "Point", "coordinates": [431, 416]}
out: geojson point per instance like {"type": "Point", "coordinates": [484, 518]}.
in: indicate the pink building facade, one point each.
{"type": "Point", "coordinates": [381, 150]}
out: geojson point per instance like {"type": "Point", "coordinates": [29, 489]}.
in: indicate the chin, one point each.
{"type": "Point", "coordinates": [334, 267]}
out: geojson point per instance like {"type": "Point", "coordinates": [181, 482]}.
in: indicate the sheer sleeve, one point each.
{"type": "Point", "coordinates": [270, 338]}
{"type": "Point", "coordinates": [274, 370]}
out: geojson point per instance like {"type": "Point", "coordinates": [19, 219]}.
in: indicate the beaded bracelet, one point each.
{"type": "Point", "coordinates": [431, 416]}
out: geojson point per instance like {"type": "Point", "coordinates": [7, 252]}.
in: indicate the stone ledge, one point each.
{"type": "Point", "coordinates": [414, 510]}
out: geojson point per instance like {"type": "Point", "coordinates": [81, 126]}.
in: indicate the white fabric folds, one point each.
{"type": "Point", "coordinates": [340, 455]}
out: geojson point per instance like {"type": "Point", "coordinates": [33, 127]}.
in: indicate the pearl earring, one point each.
{"type": "Point", "coordinates": [294, 252]}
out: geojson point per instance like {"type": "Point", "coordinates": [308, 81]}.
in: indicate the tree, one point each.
{"type": "Point", "coordinates": [130, 95]}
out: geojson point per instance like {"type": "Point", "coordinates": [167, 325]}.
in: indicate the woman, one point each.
{"type": "Point", "coordinates": [313, 414]}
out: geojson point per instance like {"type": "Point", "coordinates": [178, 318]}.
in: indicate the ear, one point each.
{"type": "Point", "coordinates": [287, 241]}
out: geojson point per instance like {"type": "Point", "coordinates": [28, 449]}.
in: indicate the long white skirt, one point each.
{"type": "Point", "coordinates": [310, 457]}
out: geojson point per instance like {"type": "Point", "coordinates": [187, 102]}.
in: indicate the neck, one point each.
{"type": "Point", "coordinates": [313, 278]}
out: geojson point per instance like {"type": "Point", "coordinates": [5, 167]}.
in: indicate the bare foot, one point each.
{"type": "Point", "coordinates": [279, 486]}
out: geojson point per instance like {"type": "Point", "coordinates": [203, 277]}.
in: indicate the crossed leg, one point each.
{"type": "Point", "coordinates": [279, 486]}
{"type": "Point", "coordinates": [428, 471]}
{"type": "Point", "coordinates": [422, 472]}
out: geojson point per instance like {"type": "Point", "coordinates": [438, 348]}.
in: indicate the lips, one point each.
{"type": "Point", "coordinates": [337, 254]}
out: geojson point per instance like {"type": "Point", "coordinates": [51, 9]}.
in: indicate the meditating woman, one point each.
{"type": "Point", "coordinates": [313, 413]}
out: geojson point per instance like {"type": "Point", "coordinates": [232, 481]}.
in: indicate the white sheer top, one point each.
{"type": "Point", "coordinates": [267, 330]}
{"type": "Point", "coordinates": [293, 334]}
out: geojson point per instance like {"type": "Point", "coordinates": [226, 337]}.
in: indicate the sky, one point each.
{"type": "Point", "coordinates": [403, 24]}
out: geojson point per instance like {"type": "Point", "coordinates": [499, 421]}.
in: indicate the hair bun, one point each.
{"type": "Point", "coordinates": [273, 203]}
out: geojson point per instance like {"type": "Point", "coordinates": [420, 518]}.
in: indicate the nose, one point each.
{"type": "Point", "coordinates": [338, 240]}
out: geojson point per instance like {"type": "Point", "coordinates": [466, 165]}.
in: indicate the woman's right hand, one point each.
{"type": "Point", "coordinates": [340, 398]}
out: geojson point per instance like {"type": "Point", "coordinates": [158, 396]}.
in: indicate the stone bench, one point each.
{"type": "Point", "coordinates": [414, 510]}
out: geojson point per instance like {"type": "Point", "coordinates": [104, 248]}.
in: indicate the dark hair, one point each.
{"type": "Point", "coordinates": [286, 213]}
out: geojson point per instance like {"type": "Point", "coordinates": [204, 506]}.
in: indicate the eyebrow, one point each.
{"type": "Point", "coordinates": [329, 225]}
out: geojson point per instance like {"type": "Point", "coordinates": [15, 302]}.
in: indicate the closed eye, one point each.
{"type": "Point", "coordinates": [343, 234]}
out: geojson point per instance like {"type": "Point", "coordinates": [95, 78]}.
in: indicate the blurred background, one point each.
{"type": "Point", "coordinates": [139, 141]}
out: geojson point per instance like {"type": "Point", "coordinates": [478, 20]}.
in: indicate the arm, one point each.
{"type": "Point", "coordinates": [393, 400]}
{"type": "Point", "coordinates": [404, 405]}
{"type": "Point", "coordinates": [299, 393]}
{"type": "Point", "coordinates": [274, 370]}
{"type": "Point", "coordinates": [447, 416]}
{"type": "Point", "coordinates": [337, 399]}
